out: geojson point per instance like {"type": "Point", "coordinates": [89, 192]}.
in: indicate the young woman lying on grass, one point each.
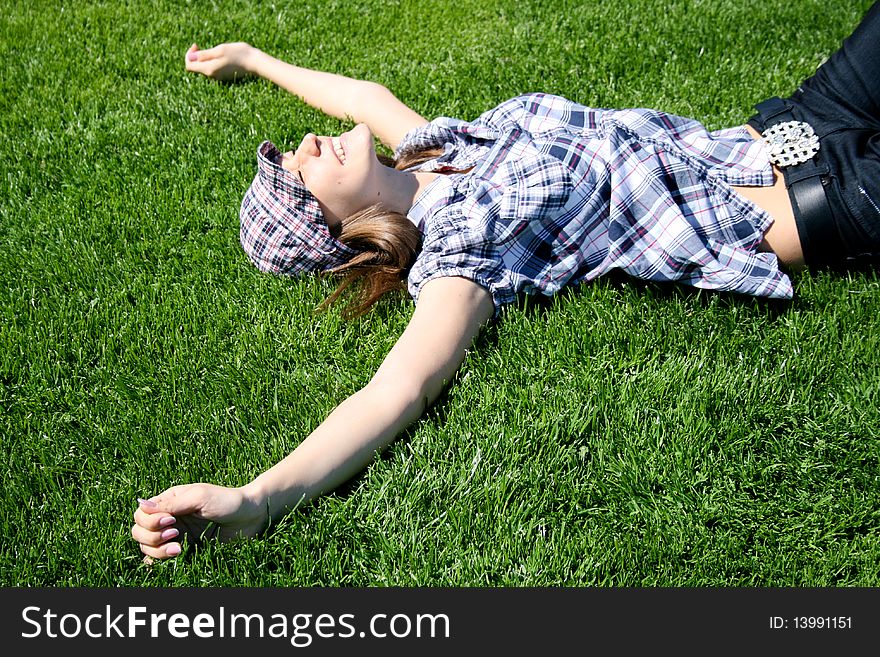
{"type": "Point", "coordinates": [535, 194]}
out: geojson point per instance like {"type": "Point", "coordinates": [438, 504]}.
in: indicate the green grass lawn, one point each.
{"type": "Point", "coordinates": [623, 434]}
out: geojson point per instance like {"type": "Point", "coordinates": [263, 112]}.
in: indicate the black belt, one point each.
{"type": "Point", "coordinates": [806, 183]}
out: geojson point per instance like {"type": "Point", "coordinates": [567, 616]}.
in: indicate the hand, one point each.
{"type": "Point", "coordinates": [226, 62]}
{"type": "Point", "coordinates": [197, 511]}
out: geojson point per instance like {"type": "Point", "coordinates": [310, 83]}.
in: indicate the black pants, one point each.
{"type": "Point", "coordinates": [841, 101]}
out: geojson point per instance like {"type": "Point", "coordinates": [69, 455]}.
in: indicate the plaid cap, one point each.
{"type": "Point", "coordinates": [282, 228]}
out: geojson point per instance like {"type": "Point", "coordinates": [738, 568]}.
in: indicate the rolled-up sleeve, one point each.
{"type": "Point", "coordinates": [452, 248]}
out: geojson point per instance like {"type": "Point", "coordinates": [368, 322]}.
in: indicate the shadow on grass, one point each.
{"type": "Point", "coordinates": [615, 286]}
{"type": "Point", "coordinates": [620, 284]}
{"type": "Point", "coordinates": [627, 288]}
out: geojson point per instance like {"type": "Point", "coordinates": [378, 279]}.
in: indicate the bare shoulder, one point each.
{"type": "Point", "coordinates": [455, 297]}
{"type": "Point", "coordinates": [449, 313]}
{"type": "Point", "coordinates": [447, 318]}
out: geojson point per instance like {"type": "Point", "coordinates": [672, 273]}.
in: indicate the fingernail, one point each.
{"type": "Point", "coordinates": [192, 56]}
{"type": "Point", "coordinates": [169, 533]}
{"type": "Point", "coordinates": [148, 504]}
{"type": "Point", "coordinates": [172, 550]}
{"type": "Point", "coordinates": [167, 520]}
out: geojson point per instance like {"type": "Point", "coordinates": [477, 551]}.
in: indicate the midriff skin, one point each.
{"type": "Point", "coordinates": [782, 236]}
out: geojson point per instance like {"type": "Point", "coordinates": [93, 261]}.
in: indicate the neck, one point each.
{"type": "Point", "coordinates": [401, 188]}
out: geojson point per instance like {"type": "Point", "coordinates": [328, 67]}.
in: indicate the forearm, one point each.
{"type": "Point", "coordinates": [412, 376]}
{"type": "Point", "coordinates": [344, 444]}
{"type": "Point", "coordinates": [339, 96]}
{"type": "Point", "coordinates": [336, 95]}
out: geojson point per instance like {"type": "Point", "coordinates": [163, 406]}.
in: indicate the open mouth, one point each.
{"type": "Point", "coordinates": [338, 149]}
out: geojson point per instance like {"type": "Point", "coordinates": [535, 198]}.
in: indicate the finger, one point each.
{"type": "Point", "coordinates": [148, 506]}
{"type": "Point", "coordinates": [153, 538]}
{"type": "Point", "coordinates": [210, 53]}
{"type": "Point", "coordinates": [162, 552]}
{"type": "Point", "coordinates": [195, 59]}
{"type": "Point", "coordinates": [199, 60]}
{"type": "Point", "coordinates": [153, 521]}
{"type": "Point", "coordinates": [179, 500]}
{"type": "Point", "coordinates": [192, 54]}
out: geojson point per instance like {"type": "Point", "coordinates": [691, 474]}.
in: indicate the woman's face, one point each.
{"type": "Point", "coordinates": [338, 171]}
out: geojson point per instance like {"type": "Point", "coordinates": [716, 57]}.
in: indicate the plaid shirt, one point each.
{"type": "Point", "coordinates": [560, 193]}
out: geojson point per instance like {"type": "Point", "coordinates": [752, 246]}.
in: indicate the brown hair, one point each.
{"type": "Point", "coordinates": [388, 243]}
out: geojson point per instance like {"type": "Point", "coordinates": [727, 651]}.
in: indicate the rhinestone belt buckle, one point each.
{"type": "Point", "coordinates": [790, 143]}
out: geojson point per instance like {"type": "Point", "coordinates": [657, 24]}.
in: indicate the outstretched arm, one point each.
{"type": "Point", "coordinates": [445, 322]}
{"type": "Point", "coordinates": [342, 97]}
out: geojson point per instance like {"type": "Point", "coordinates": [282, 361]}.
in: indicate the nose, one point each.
{"type": "Point", "coordinates": [308, 146]}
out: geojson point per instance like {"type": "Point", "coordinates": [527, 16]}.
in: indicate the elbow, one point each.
{"type": "Point", "coordinates": [365, 95]}
{"type": "Point", "coordinates": [370, 89]}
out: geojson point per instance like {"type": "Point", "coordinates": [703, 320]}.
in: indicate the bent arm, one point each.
{"type": "Point", "coordinates": [342, 97]}
{"type": "Point", "coordinates": [445, 322]}
{"type": "Point", "coordinates": [339, 96]}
